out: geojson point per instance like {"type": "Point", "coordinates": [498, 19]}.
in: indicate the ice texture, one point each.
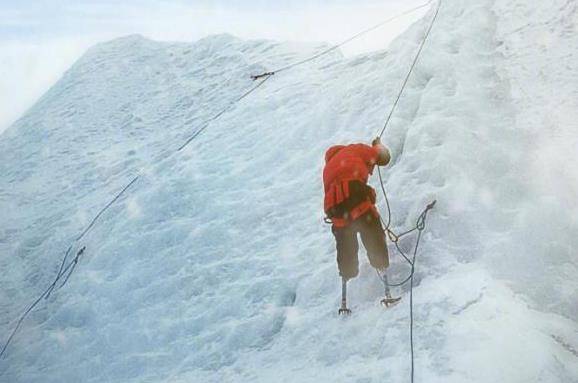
{"type": "Point", "coordinates": [216, 265]}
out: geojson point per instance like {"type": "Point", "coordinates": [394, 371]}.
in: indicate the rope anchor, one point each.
{"type": "Point", "coordinates": [258, 76]}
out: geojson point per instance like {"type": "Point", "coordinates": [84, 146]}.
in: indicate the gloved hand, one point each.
{"type": "Point", "coordinates": [376, 141]}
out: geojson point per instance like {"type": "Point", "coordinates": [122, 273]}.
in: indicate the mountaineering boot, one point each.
{"type": "Point", "coordinates": [343, 310]}
{"type": "Point", "coordinates": [388, 301]}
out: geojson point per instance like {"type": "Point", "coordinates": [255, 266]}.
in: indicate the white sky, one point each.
{"type": "Point", "coordinates": [40, 39]}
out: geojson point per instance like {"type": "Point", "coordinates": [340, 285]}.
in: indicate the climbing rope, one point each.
{"type": "Point", "coordinates": [395, 238]}
{"type": "Point", "coordinates": [420, 223]}
{"type": "Point", "coordinates": [419, 227]}
{"type": "Point", "coordinates": [265, 77]}
{"type": "Point", "coordinates": [393, 107]}
{"type": "Point", "coordinates": [45, 294]}
{"type": "Point", "coordinates": [66, 269]}
{"type": "Point", "coordinates": [395, 103]}
{"type": "Point", "coordinates": [331, 49]}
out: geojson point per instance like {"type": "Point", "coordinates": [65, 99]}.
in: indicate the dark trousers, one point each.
{"type": "Point", "coordinates": [373, 238]}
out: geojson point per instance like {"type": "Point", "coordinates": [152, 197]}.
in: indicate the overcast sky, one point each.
{"type": "Point", "coordinates": [40, 39]}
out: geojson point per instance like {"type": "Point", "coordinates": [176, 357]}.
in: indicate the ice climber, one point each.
{"type": "Point", "coordinates": [350, 207]}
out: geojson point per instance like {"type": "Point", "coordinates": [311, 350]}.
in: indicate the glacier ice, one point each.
{"type": "Point", "coordinates": [216, 267]}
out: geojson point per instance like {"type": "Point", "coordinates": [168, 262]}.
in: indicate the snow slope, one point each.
{"type": "Point", "coordinates": [216, 266]}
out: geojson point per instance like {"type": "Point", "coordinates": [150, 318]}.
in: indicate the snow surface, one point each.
{"type": "Point", "coordinates": [216, 266]}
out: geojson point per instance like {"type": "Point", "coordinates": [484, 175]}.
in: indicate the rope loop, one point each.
{"type": "Point", "coordinates": [392, 236]}
{"type": "Point", "coordinates": [420, 225]}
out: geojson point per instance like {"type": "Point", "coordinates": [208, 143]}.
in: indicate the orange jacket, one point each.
{"type": "Point", "coordinates": [344, 164]}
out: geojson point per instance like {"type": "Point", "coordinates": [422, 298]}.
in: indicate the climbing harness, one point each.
{"type": "Point", "coordinates": [420, 225]}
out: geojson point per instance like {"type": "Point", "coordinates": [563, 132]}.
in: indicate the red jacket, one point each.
{"type": "Point", "coordinates": [344, 164]}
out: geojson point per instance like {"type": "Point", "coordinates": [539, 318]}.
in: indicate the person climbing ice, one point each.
{"type": "Point", "coordinates": [349, 206]}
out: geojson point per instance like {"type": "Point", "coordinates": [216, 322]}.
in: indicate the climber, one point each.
{"type": "Point", "coordinates": [350, 207]}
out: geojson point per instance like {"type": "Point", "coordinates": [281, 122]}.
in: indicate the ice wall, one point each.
{"type": "Point", "coordinates": [217, 267]}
